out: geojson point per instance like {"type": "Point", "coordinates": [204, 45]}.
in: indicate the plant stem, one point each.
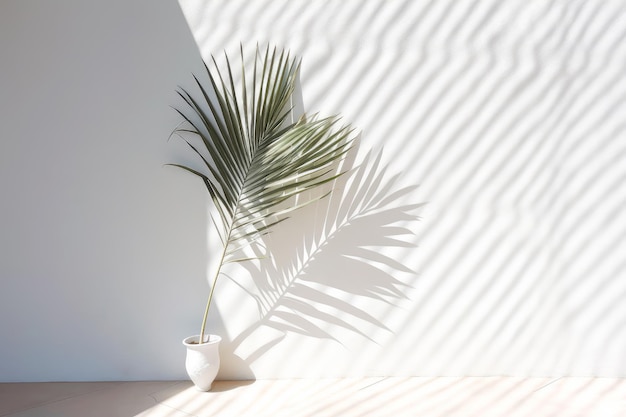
{"type": "Point", "coordinates": [208, 304]}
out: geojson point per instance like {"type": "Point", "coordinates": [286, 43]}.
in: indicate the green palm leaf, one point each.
{"type": "Point", "coordinates": [255, 161]}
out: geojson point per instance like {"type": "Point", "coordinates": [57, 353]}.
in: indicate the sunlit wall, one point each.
{"type": "Point", "coordinates": [510, 117]}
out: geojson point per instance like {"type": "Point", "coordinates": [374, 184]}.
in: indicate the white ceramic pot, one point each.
{"type": "Point", "coordinates": [203, 360]}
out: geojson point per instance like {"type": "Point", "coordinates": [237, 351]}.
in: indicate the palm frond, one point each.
{"type": "Point", "coordinates": [255, 161]}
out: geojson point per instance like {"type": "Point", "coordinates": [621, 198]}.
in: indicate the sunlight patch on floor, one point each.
{"type": "Point", "coordinates": [375, 396]}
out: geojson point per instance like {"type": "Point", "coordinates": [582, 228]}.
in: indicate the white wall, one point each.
{"type": "Point", "coordinates": [509, 114]}
{"type": "Point", "coordinates": [101, 245]}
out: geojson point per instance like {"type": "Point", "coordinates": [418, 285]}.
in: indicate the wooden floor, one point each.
{"type": "Point", "coordinates": [431, 397]}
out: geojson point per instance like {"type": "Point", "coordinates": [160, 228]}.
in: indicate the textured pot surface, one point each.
{"type": "Point", "coordinates": [203, 360]}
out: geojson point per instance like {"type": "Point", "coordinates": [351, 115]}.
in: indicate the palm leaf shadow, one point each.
{"type": "Point", "coordinates": [303, 293]}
